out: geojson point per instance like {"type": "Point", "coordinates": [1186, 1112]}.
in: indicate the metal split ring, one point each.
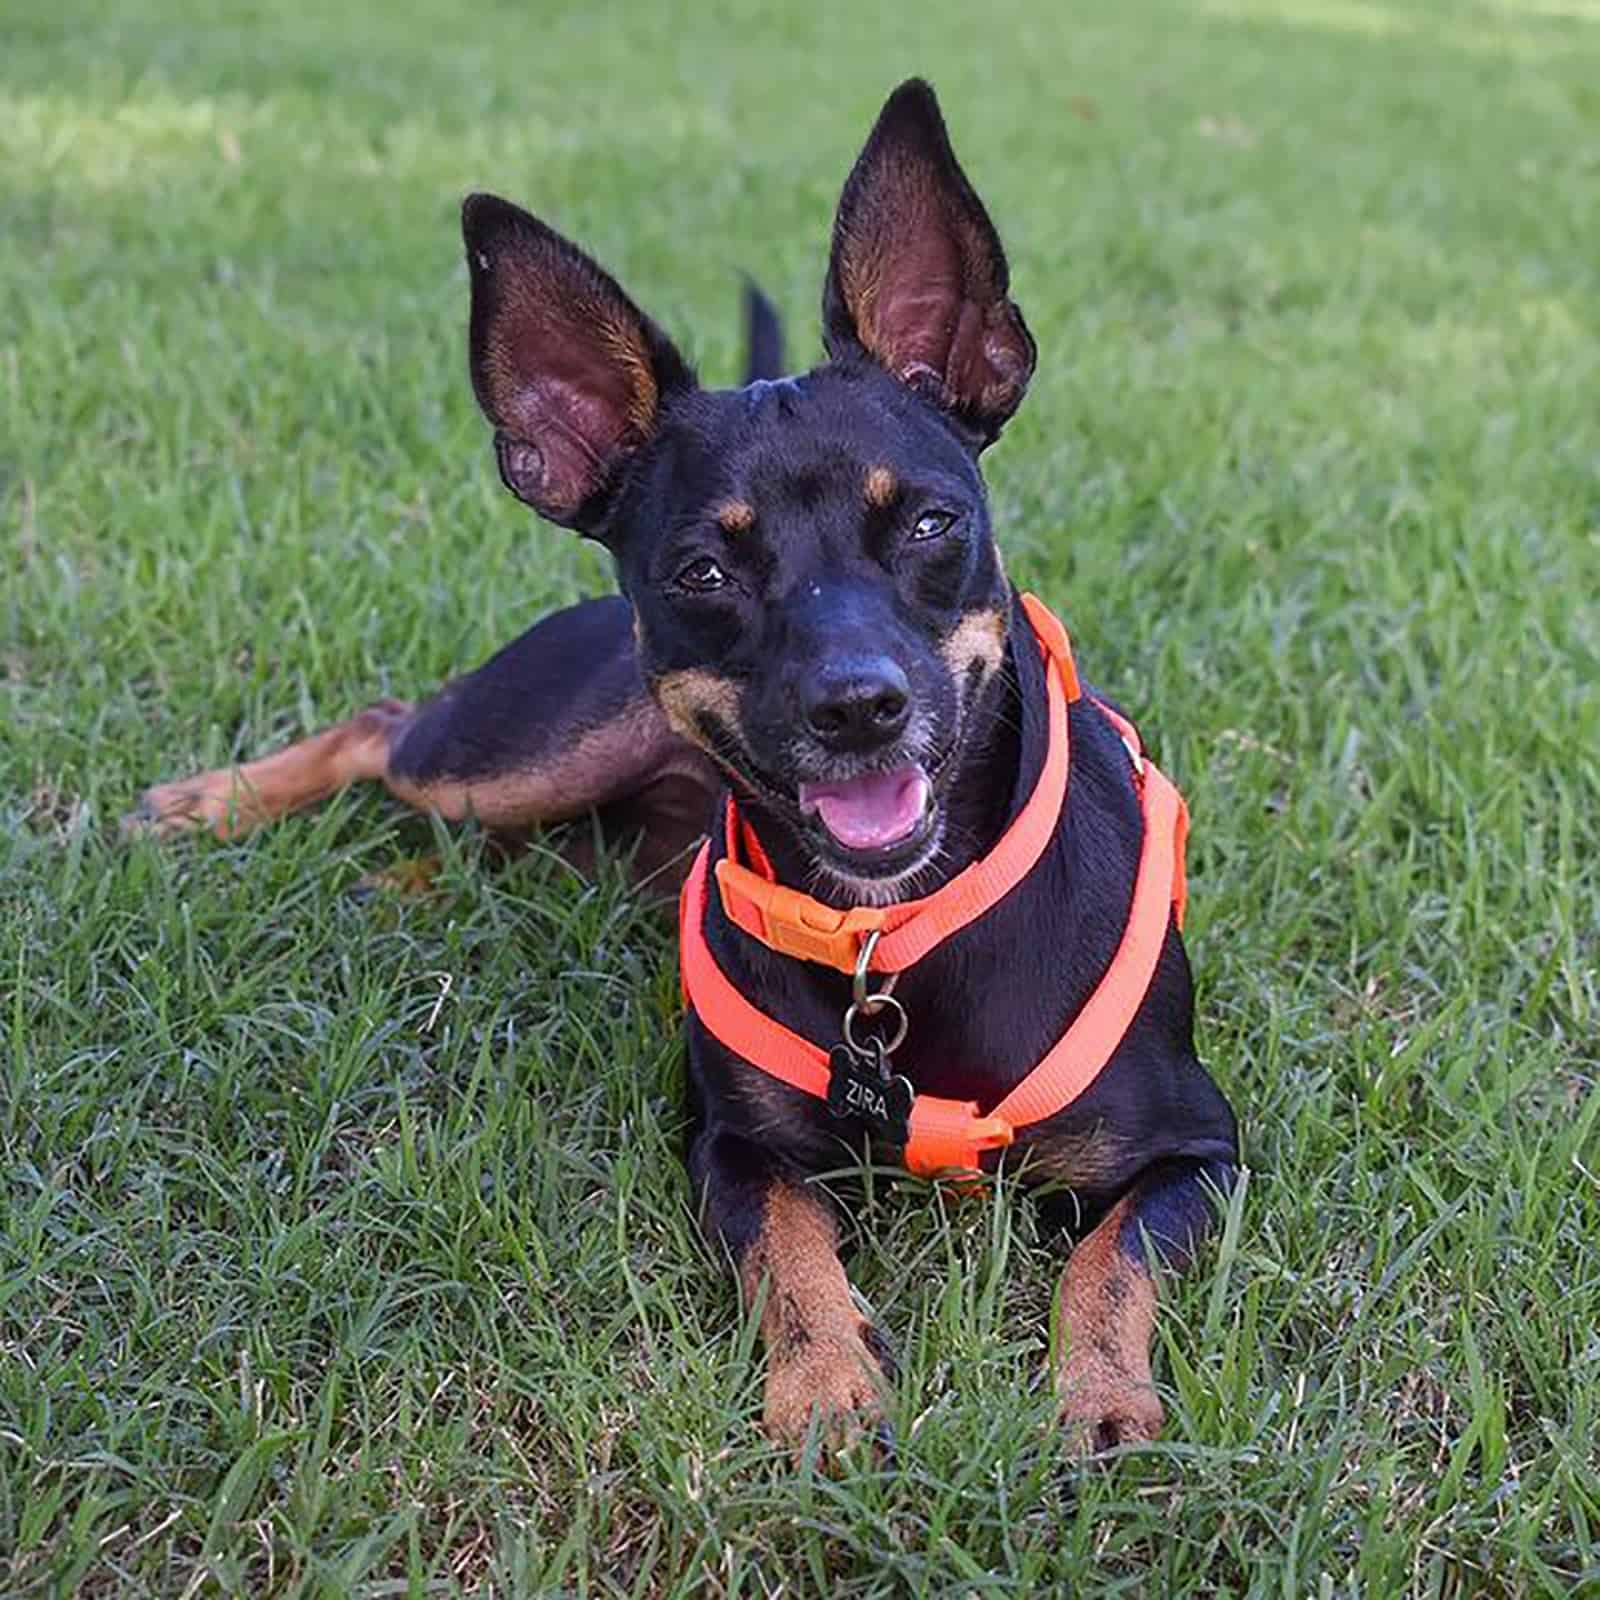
{"type": "Point", "coordinates": [882, 1001]}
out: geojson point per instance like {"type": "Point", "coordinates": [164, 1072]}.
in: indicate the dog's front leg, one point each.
{"type": "Point", "coordinates": [824, 1358]}
{"type": "Point", "coordinates": [1108, 1302]}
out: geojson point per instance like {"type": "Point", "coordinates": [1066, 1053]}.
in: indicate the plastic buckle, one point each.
{"type": "Point", "coordinates": [797, 926]}
{"type": "Point", "coordinates": [948, 1136]}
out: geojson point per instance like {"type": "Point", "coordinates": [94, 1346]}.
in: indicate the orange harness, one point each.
{"type": "Point", "coordinates": [945, 1134]}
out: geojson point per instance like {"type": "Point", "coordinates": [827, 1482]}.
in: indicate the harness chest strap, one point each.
{"type": "Point", "coordinates": [951, 1134]}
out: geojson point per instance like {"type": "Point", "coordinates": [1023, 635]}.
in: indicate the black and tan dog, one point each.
{"type": "Point", "coordinates": [818, 652]}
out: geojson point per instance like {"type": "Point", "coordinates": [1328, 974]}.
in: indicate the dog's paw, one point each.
{"type": "Point", "coordinates": [836, 1378]}
{"type": "Point", "coordinates": [212, 801]}
{"type": "Point", "coordinates": [1100, 1413]}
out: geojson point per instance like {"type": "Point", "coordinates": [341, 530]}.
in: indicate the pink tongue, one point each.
{"type": "Point", "coordinates": [868, 813]}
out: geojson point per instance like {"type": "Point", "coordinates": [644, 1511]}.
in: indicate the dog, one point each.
{"type": "Point", "coordinates": [936, 916]}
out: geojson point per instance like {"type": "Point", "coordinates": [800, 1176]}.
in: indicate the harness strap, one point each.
{"type": "Point", "coordinates": [1078, 1057]}
{"type": "Point", "coordinates": [795, 924]}
{"type": "Point", "coordinates": [945, 1134]}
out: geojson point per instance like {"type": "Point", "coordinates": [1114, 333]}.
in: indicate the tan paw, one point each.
{"type": "Point", "coordinates": [1100, 1413]}
{"type": "Point", "coordinates": [212, 800]}
{"type": "Point", "coordinates": [837, 1378]}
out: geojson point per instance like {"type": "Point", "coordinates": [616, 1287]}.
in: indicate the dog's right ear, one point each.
{"type": "Point", "coordinates": [570, 372]}
{"type": "Point", "coordinates": [918, 278]}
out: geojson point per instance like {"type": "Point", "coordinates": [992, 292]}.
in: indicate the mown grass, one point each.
{"type": "Point", "coordinates": [345, 1246]}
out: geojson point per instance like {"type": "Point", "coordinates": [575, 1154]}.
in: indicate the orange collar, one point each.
{"type": "Point", "coordinates": [948, 1134]}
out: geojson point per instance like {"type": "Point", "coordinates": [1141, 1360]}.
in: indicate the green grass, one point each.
{"type": "Point", "coordinates": [345, 1245]}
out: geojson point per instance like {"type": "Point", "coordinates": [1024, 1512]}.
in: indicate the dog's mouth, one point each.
{"type": "Point", "coordinates": [867, 828]}
{"type": "Point", "coordinates": [875, 813]}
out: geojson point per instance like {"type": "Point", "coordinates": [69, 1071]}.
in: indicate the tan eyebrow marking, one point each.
{"type": "Point", "coordinates": [736, 516]}
{"type": "Point", "coordinates": [882, 486]}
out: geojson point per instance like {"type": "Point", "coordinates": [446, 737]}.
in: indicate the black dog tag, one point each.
{"type": "Point", "coordinates": [860, 1085]}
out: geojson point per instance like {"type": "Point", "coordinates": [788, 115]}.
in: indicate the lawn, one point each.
{"type": "Point", "coordinates": [345, 1245]}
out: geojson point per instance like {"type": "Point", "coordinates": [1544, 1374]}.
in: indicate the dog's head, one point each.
{"type": "Point", "coordinates": [818, 598]}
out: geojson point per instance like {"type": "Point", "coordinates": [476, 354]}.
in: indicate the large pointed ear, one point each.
{"type": "Point", "coordinates": [918, 279]}
{"type": "Point", "coordinates": [570, 372]}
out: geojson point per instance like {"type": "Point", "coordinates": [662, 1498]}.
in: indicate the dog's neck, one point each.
{"type": "Point", "coordinates": [998, 766]}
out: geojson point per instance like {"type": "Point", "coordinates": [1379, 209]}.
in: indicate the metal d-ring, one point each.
{"type": "Point", "coordinates": [869, 1005]}
{"type": "Point", "coordinates": [860, 1000]}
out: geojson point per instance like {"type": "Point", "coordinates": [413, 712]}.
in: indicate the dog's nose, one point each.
{"type": "Point", "coordinates": [856, 703]}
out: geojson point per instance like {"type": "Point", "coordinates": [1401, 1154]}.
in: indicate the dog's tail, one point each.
{"type": "Point", "coordinates": [763, 330]}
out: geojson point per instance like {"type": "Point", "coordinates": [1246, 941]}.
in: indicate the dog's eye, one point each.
{"type": "Point", "coordinates": [932, 523]}
{"type": "Point", "coordinates": [702, 576]}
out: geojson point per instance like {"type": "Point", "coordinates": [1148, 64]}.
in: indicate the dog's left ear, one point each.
{"type": "Point", "coordinates": [918, 278]}
{"type": "Point", "coordinates": [573, 375]}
